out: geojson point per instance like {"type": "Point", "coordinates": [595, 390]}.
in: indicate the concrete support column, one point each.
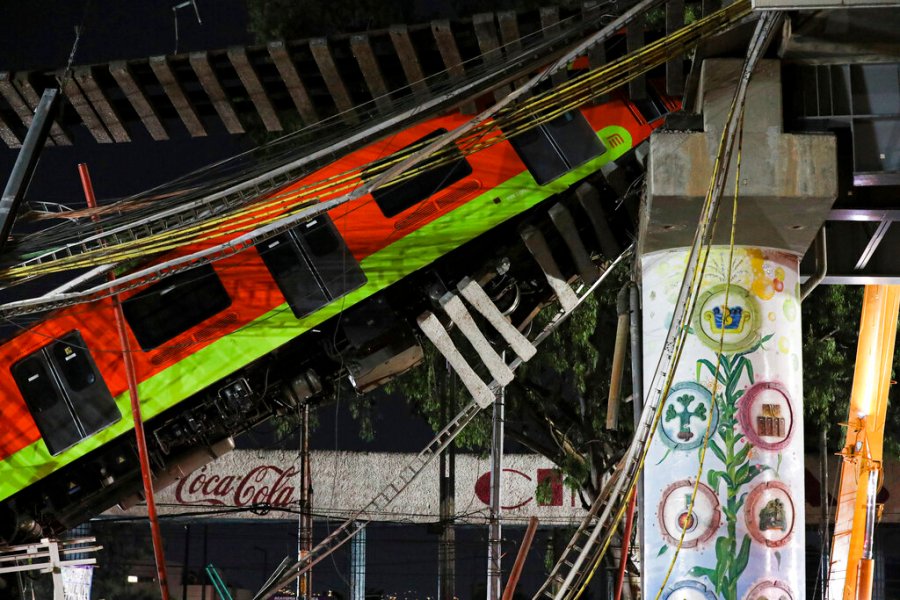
{"type": "Point", "coordinates": [745, 535]}
{"type": "Point", "coordinates": [739, 530]}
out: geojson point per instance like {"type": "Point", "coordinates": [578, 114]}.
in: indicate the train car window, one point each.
{"type": "Point", "coordinates": [293, 274]}
{"type": "Point", "coordinates": [435, 175]}
{"type": "Point", "coordinates": [64, 392]}
{"type": "Point", "coordinates": [311, 265]}
{"type": "Point", "coordinates": [169, 308]}
{"type": "Point", "coordinates": [330, 257]}
{"type": "Point", "coordinates": [320, 239]}
{"type": "Point", "coordinates": [652, 107]}
{"type": "Point", "coordinates": [73, 366]}
{"type": "Point", "coordinates": [552, 149]}
{"type": "Point", "coordinates": [36, 384]}
{"type": "Point", "coordinates": [87, 394]}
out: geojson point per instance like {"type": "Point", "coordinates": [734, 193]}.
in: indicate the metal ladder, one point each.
{"type": "Point", "coordinates": [483, 393]}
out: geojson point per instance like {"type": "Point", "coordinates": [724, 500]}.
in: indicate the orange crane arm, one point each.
{"type": "Point", "coordinates": [850, 574]}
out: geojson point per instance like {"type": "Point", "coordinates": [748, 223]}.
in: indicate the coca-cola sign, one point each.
{"type": "Point", "coordinates": [268, 485]}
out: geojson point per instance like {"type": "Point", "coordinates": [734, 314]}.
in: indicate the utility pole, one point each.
{"type": "Point", "coordinates": [447, 494]}
{"type": "Point", "coordinates": [358, 566]}
{"type": "Point", "coordinates": [305, 525]}
{"type": "Point", "coordinates": [23, 169]}
{"type": "Point", "coordinates": [494, 570]}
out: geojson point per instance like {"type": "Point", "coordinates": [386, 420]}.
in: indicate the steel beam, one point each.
{"type": "Point", "coordinates": [176, 95]}
{"type": "Point", "coordinates": [550, 25]}
{"type": "Point", "coordinates": [238, 57]}
{"type": "Point", "coordinates": [282, 59]}
{"type": "Point", "coordinates": [675, 67]}
{"type": "Point", "coordinates": [368, 64]}
{"type": "Point", "coordinates": [15, 100]}
{"type": "Point", "coordinates": [8, 135]}
{"type": "Point", "coordinates": [139, 102]}
{"type": "Point", "coordinates": [85, 78]}
{"type": "Point", "coordinates": [409, 60]}
{"type": "Point", "coordinates": [486, 34]}
{"type": "Point", "coordinates": [449, 51]}
{"type": "Point", "coordinates": [321, 52]}
{"type": "Point", "coordinates": [84, 109]}
{"type": "Point", "coordinates": [864, 250]}
{"type": "Point", "coordinates": [210, 84]}
{"type": "Point", "coordinates": [634, 41]}
{"type": "Point", "coordinates": [32, 98]}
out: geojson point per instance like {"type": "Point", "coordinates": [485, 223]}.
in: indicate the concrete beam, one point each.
{"type": "Point", "coordinates": [85, 110]}
{"type": "Point", "coordinates": [32, 99]}
{"type": "Point", "coordinates": [85, 78]}
{"type": "Point", "coordinates": [321, 52]}
{"type": "Point", "coordinates": [409, 60]}
{"type": "Point", "coordinates": [132, 90]}
{"type": "Point", "coordinates": [210, 83]}
{"type": "Point", "coordinates": [238, 57]}
{"type": "Point", "coordinates": [788, 182]}
{"type": "Point", "coordinates": [282, 59]}
{"type": "Point", "coordinates": [166, 77]}
{"type": "Point", "coordinates": [368, 64]}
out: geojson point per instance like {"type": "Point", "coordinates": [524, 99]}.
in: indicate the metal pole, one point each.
{"type": "Point", "coordinates": [494, 562]}
{"type": "Point", "coordinates": [823, 498]}
{"type": "Point", "coordinates": [304, 581]}
{"type": "Point", "coordinates": [131, 376]}
{"type": "Point", "coordinates": [187, 556]}
{"type": "Point", "coordinates": [626, 540]}
{"type": "Point", "coordinates": [205, 561]}
{"type": "Point", "coordinates": [637, 353]}
{"type": "Point", "coordinates": [447, 497]}
{"type": "Point", "coordinates": [618, 363]}
{"type": "Point", "coordinates": [27, 160]}
{"type": "Point", "coordinates": [516, 572]}
{"type": "Point", "coordinates": [637, 399]}
{"type": "Point", "coordinates": [358, 566]}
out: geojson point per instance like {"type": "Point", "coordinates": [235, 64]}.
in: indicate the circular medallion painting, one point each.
{"type": "Point", "coordinates": [769, 514]}
{"type": "Point", "coordinates": [686, 414]}
{"type": "Point", "coordinates": [735, 322]}
{"type": "Point", "coordinates": [770, 590]}
{"type": "Point", "coordinates": [699, 524]}
{"type": "Point", "coordinates": [766, 415]}
{"type": "Point", "coordinates": [689, 590]}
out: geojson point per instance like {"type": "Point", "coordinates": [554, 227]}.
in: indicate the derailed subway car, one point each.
{"type": "Point", "coordinates": [222, 347]}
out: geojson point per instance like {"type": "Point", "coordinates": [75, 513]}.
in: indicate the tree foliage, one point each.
{"type": "Point", "coordinates": [831, 316]}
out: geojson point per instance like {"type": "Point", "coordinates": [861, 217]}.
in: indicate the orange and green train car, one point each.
{"type": "Point", "coordinates": [221, 347]}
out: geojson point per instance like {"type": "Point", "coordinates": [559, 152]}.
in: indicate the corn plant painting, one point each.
{"type": "Point", "coordinates": [736, 391]}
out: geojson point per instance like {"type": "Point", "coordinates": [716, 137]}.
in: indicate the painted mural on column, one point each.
{"type": "Point", "coordinates": [744, 539]}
